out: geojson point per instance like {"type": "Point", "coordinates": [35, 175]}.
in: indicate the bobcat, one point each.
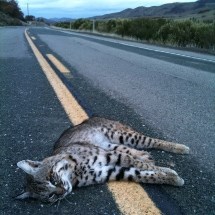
{"type": "Point", "coordinates": [97, 151]}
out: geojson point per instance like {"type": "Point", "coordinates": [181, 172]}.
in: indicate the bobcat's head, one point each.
{"type": "Point", "coordinates": [49, 180]}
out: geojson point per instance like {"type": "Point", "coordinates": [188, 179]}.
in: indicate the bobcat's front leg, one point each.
{"type": "Point", "coordinates": [126, 160]}
{"type": "Point", "coordinates": [145, 176]}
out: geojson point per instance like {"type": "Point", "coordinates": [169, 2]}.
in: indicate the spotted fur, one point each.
{"type": "Point", "coordinates": [97, 151]}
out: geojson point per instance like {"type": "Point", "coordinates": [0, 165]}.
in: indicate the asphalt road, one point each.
{"type": "Point", "coordinates": [164, 93]}
{"type": "Point", "coordinates": [31, 119]}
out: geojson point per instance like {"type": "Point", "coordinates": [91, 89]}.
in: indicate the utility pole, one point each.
{"type": "Point", "coordinates": [27, 9]}
{"type": "Point", "coordinates": [93, 25]}
{"type": "Point", "coordinates": [28, 20]}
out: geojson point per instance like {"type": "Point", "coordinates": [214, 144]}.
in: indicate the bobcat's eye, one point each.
{"type": "Point", "coordinates": [53, 181]}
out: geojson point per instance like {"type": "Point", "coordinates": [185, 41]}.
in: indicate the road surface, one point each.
{"type": "Point", "coordinates": [165, 93]}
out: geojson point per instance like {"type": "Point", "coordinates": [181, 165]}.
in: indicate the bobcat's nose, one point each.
{"type": "Point", "coordinates": [60, 190]}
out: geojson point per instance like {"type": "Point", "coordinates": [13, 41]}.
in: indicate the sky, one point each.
{"type": "Point", "coordinates": [84, 8]}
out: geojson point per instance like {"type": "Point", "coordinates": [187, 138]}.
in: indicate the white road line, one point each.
{"type": "Point", "coordinates": [144, 48]}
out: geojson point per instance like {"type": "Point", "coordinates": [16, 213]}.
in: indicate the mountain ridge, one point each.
{"type": "Point", "coordinates": [169, 10]}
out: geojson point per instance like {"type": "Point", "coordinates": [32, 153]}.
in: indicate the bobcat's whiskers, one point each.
{"type": "Point", "coordinates": [68, 201]}
{"type": "Point", "coordinates": [58, 203]}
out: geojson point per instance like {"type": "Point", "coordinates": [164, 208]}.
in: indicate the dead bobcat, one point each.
{"type": "Point", "coordinates": [97, 151]}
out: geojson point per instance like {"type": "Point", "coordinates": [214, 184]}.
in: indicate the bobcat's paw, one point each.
{"type": "Point", "coordinates": [181, 149]}
{"type": "Point", "coordinates": [178, 181]}
{"type": "Point", "coordinates": [175, 180]}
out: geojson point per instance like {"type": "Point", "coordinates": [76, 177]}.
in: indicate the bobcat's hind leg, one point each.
{"type": "Point", "coordinates": [140, 141]}
{"type": "Point", "coordinates": [170, 147]}
{"type": "Point", "coordinates": [124, 135]}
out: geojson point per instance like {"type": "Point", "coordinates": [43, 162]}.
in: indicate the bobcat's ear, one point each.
{"type": "Point", "coordinates": [24, 195]}
{"type": "Point", "coordinates": [30, 167]}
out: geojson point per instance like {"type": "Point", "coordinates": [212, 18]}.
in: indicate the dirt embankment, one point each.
{"type": "Point", "coordinates": [6, 20]}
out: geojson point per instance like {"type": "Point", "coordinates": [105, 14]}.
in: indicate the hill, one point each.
{"type": "Point", "coordinates": [10, 13]}
{"type": "Point", "coordinates": [8, 20]}
{"type": "Point", "coordinates": [61, 19]}
{"type": "Point", "coordinates": [203, 9]}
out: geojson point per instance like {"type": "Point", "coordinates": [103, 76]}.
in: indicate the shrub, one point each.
{"type": "Point", "coordinates": [180, 33]}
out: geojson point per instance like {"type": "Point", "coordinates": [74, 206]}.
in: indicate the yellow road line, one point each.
{"type": "Point", "coordinates": [74, 111]}
{"type": "Point", "coordinates": [130, 197]}
{"type": "Point", "coordinates": [57, 63]}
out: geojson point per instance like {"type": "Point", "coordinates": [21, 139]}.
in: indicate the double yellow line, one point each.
{"type": "Point", "coordinates": [130, 197]}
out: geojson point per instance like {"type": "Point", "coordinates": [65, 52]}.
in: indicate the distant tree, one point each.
{"type": "Point", "coordinates": [183, 33]}
{"type": "Point", "coordinates": [111, 25]}
{"type": "Point", "coordinates": [123, 27]}
{"type": "Point", "coordinates": [63, 24]}
{"type": "Point", "coordinates": [30, 18]}
{"type": "Point", "coordinates": [205, 36]}
{"type": "Point", "coordinates": [11, 8]}
{"type": "Point", "coordinates": [40, 19]}
{"type": "Point", "coordinates": [78, 23]}
{"type": "Point", "coordinates": [165, 32]}
{"type": "Point", "coordinates": [86, 25]}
